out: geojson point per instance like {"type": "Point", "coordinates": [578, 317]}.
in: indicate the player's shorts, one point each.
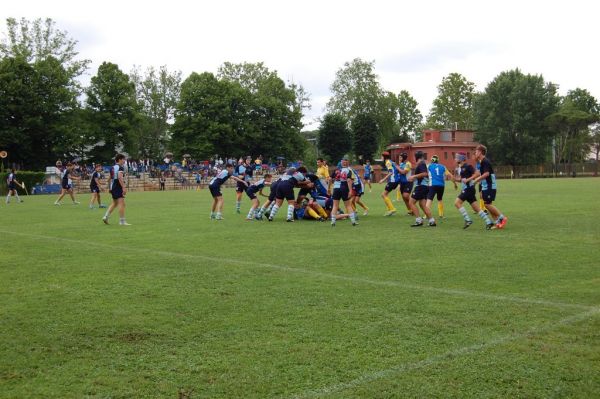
{"type": "Point", "coordinates": [420, 193]}
{"type": "Point", "coordinates": [325, 202]}
{"type": "Point", "coordinates": [304, 192]}
{"type": "Point", "coordinates": [66, 186]}
{"type": "Point", "coordinates": [215, 191]}
{"type": "Point", "coordinates": [406, 187]}
{"type": "Point", "coordinates": [240, 187]}
{"type": "Point", "coordinates": [391, 186]}
{"type": "Point", "coordinates": [435, 190]}
{"type": "Point", "coordinates": [468, 195]}
{"type": "Point", "coordinates": [341, 193]}
{"type": "Point", "coordinates": [367, 177]}
{"type": "Point", "coordinates": [273, 191]}
{"type": "Point", "coordinates": [488, 196]}
{"type": "Point", "coordinates": [94, 189]}
{"type": "Point", "coordinates": [285, 190]}
{"type": "Point", "coordinates": [117, 192]}
{"type": "Point", "coordinates": [12, 186]}
{"type": "Point", "coordinates": [250, 193]}
{"type": "Point", "coordinates": [357, 191]}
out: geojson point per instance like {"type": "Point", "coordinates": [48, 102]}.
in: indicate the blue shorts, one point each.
{"type": "Point", "coordinates": [468, 195]}
{"type": "Point", "coordinates": [215, 191]}
{"type": "Point", "coordinates": [420, 193]}
{"type": "Point", "coordinates": [488, 196]}
{"type": "Point", "coordinates": [66, 186]}
{"type": "Point", "coordinates": [367, 177]}
{"type": "Point", "coordinates": [12, 186]}
{"type": "Point", "coordinates": [391, 186]}
{"type": "Point", "coordinates": [341, 193]}
{"type": "Point", "coordinates": [273, 191]}
{"type": "Point", "coordinates": [250, 193]}
{"type": "Point", "coordinates": [117, 192]}
{"type": "Point", "coordinates": [435, 190]}
{"type": "Point", "coordinates": [285, 190]}
{"type": "Point", "coordinates": [94, 189]}
{"type": "Point", "coordinates": [240, 187]}
{"type": "Point", "coordinates": [358, 191]}
{"type": "Point", "coordinates": [406, 187]}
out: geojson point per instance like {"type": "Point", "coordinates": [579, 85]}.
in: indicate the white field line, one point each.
{"type": "Point", "coordinates": [395, 284]}
{"type": "Point", "coordinates": [466, 350]}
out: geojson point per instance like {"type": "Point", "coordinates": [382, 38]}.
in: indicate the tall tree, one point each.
{"type": "Point", "coordinates": [355, 90]}
{"type": "Point", "coordinates": [114, 112]}
{"type": "Point", "coordinates": [386, 119]}
{"type": "Point", "coordinates": [364, 133]}
{"type": "Point", "coordinates": [157, 93]}
{"type": "Point", "coordinates": [453, 107]}
{"type": "Point", "coordinates": [571, 124]}
{"type": "Point", "coordinates": [40, 40]}
{"type": "Point", "coordinates": [335, 138]}
{"type": "Point", "coordinates": [510, 118]}
{"type": "Point", "coordinates": [409, 116]}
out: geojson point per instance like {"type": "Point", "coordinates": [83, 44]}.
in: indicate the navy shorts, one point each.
{"type": "Point", "coordinates": [215, 191]}
{"type": "Point", "coordinates": [94, 190]}
{"type": "Point", "coordinates": [488, 196]}
{"type": "Point", "coordinates": [358, 191]}
{"type": "Point", "coordinates": [406, 187]}
{"type": "Point", "coordinates": [435, 190]}
{"type": "Point", "coordinates": [341, 193]}
{"type": "Point", "coordinates": [391, 186]}
{"type": "Point", "coordinates": [420, 193]}
{"type": "Point", "coordinates": [273, 191]}
{"type": "Point", "coordinates": [468, 195]}
{"type": "Point", "coordinates": [12, 186]}
{"type": "Point", "coordinates": [240, 187]}
{"type": "Point", "coordinates": [67, 186]}
{"type": "Point", "coordinates": [285, 190]}
{"type": "Point", "coordinates": [367, 177]}
{"type": "Point", "coordinates": [117, 192]}
{"type": "Point", "coordinates": [250, 193]}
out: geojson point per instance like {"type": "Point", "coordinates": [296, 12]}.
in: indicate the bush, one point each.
{"type": "Point", "coordinates": [23, 176]}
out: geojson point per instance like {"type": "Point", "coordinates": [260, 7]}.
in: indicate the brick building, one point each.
{"type": "Point", "coordinates": [443, 143]}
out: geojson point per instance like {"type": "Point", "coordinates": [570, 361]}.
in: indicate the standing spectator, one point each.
{"type": "Point", "coordinates": [162, 181]}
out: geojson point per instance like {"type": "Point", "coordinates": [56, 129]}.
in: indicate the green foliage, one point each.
{"type": "Point", "coordinates": [23, 176]}
{"type": "Point", "coordinates": [453, 107]}
{"type": "Point", "coordinates": [157, 94]}
{"type": "Point", "coordinates": [36, 103]}
{"type": "Point", "coordinates": [364, 134]}
{"type": "Point", "coordinates": [409, 116]}
{"type": "Point", "coordinates": [510, 118]}
{"type": "Point", "coordinates": [111, 101]}
{"type": "Point", "coordinates": [335, 138]}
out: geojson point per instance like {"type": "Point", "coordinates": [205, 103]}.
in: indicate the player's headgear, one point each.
{"type": "Point", "coordinates": [419, 155]}
{"type": "Point", "coordinates": [435, 159]}
{"type": "Point", "coordinates": [461, 156]}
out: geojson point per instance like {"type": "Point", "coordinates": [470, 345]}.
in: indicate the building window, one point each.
{"type": "Point", "coordinates": [445, 155]}
{"type": "Point", "coordinates": [453, 155]}
{"type": "Point", "coordinates": [468, 155]}
{"type": "Point", "coordinates": [425, 156]}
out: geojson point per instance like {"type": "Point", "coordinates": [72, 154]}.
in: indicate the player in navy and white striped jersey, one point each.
{"type": "Point", "coordinates": [487, 177]}
{"type": "Point", "coordinates": [118, 190]}
{"type": "Point", "coordinates": [214, 186]}
{"type": "Point", "coordinates": [66, 183]}
{"type": "Point", "coordinates": [252, 190]}
{"type": "Point", "coordinates": [95, 187]}
{"type": "Point", "coordinates": [419, 195]}
{"type": "Point", "coordinates": [468, 194]}
{"type": "Point", "coordinates": [12, 184]}
{"type": "Point", "coordinates": [285, 190]}
{"type": "Point", "coordinates": [358, 189]}
{"type": "Point", "coordinates": [343, 179]}
{"type": "Point", "coordinates": [244, 171]}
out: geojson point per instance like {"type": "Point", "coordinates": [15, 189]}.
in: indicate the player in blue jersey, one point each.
{"type": "Point", "coordinates": [66, 184]}
{"type": "Point", "coordinates": [467, 193]}
{"type": "Point", "coordinates": [487, 177]}
{"type": "Point", "coordinates": [95, 187]}
{"type": "Point", "coordinates": [405, 187]}
{"type": "Point", "coordinates": [243, 171]}
{"type": "Point", "coordinates": [343, 179]}
{"type": "Point", "coordinates": [393, 180]}
{"type": "Point", "coordinates": [437, 183]}
{"type": "Point", "coordinates": [118, 190]}
{"type": "Point", "coordinates": [419, 195]}
{"type": "Point", "coordinates": [358, 189]}
{"type": "Point", "coordinates": [214, 186]}
{"type": "Point", "coordinates": [367, 174]}
{"type": "Point", "coordinates": [12, 183]}
{"type": "Point", "coordinates": [285, 190]}
{"type": "Point", "coordinates": [255, 189]}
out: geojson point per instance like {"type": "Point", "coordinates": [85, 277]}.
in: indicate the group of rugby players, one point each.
{"type": "Point", "coordinates": [320, 194]}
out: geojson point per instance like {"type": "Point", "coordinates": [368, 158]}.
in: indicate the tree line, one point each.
{"type": "Point", "coordinates": [246, 108]}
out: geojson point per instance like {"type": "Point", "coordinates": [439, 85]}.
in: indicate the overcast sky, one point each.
{"type": "Point", "coordinates": [414, 44]}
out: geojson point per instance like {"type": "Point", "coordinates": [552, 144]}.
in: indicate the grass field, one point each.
{"type": "Point", "coordinates": [177, 305]}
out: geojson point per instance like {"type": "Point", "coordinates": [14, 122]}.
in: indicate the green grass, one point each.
{"type": "Point", "coordinates": [179, 305]}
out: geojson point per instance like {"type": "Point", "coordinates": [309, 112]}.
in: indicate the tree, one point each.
{"type": "Point", "coordinates": [40, 40]}
{"type": "Point", "coordinates": [386, 120]}
{"type": "Point", "coordinates": [335, 139]}
{"type": "Point", "coordinates": [578, 110]}
{"type": "Point", "coordinates": [364, 132]}
{"type": "Point", "coordinates": [409, 116]}
{"type": "Point", "coordinates": [157, 94]}
{"type": "Point", "coordinates": [355, 89]}
{"type": "Point", "coordinates": [510, 118]}
{"type": "Point", "coordinates": [113, 111]}
{"type": "Point", "coordinates": [453, 105]}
